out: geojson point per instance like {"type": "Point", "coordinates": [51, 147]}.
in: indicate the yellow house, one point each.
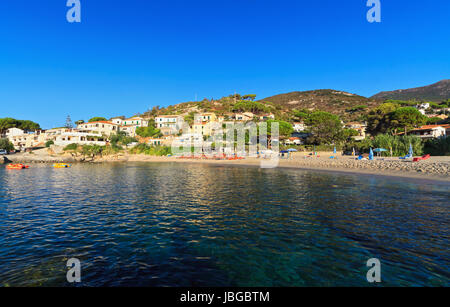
{"type": "Point", "coordinates": [205, 117]}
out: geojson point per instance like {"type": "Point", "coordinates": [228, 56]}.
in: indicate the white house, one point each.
{"type": "Point", "coordinates": [117, 121]}
{"type": "Point", "coordinates": [423, 107]}
{"type": "Point", "coordinates": [130, 130]}
{"type": "Point", "coordinates": [265, 117]}
{"type": "Point", "coordinates": [430, 131]}
{"type": "Point", "coordinates": [13, 132]}
{"type": "Point", "coordinates": [135, 121]}
{"type": "Point", "coordinates": [78, 137]}
{"type": "Point", "coordinates": [247, 116]}
{"type": "Point", "coordinates": [28, 140]}
{"type": "Point", "coordinates": [169, 124]}
{"type": "Point", "coordinates": [299, 126]}
{"type": "Point", "coordinates": [102, 127]}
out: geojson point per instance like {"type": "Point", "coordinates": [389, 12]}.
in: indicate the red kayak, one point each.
{"type": "Point", "coordinates": [17, 166]}
{"type": "Point", "coordinates": [426, 157]}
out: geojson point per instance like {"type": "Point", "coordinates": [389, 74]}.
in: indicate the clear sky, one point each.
{"type": "Point", "coordinates": [129, 55]}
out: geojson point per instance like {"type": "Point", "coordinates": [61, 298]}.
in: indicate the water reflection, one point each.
{"type": "Point", "coordinates": [192, 225]}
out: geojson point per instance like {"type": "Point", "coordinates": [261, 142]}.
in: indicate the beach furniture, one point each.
{"type": "Point", "coordinates": [405, 157]}
{"type": "Point", "coordinates": [17, 166]}
{"type": "Point", "coordinates": [425, 157]}
{"type": "Point", "coordinates": [61, 165]}
{"type": "Point", "coordinates": [371, 155]}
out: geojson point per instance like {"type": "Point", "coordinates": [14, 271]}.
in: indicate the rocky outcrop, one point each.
{"type": "Point", "coordinates": [4, 160]}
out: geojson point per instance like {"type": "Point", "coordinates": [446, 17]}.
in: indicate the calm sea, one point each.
{"type": "Point", "coordinates": [196, 225]}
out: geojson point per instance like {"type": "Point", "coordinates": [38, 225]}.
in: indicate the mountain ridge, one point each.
{"type": "Point", "coordinates": [435, 92]}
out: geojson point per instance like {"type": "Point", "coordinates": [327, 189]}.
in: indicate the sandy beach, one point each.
{"type": "Point", "coordinates": [436, 168]}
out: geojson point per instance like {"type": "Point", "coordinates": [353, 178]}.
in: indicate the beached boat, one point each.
{"type": "Point", "coordinates": [61, 165]}
{"type": "Point", "coordinates": [17, 166]}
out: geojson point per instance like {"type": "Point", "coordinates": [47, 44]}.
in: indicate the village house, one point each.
{"type": "Point", "coordinates": [102, 127]}
{"type": "Point", "coordinates": [28, 140]}
{"type": "Point", "coordinates": [130, 130]}
{"type": "Point", "coordinates": [360, 127]}
{"type": "Point", "coordinates": [155, 142]}
{"type": "Point", "coordinates": [247, 116]}
{"type": "Point", "coordinates": [117, 120]}
{"type": "Point", "coordinates": [299, 126]}
{"type": "Point", "coordinates": [205, 117]}
{"type": "Point", "coordinates": [78, 137]}
{"type": "Point", "coordinates": [169, 124]}
{"type": "Point", "coordinates": [13, 132]}
{"type": "Point", "coordinates": [135, 121]}
{"type": "Point", "coordinates": [440, 116]}
{"type": "Point", "coordinates": [430, 131]}
{"type": "Point", "coordinates": [293, 141]}
{"type": "Point", "coordinates": [423, 107]}
{"type": "Point", "coordinates": [265, 117]}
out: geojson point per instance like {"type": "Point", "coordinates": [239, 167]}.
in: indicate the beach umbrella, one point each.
{"type": "Point", "coordinates": [411, 152]}
{"type": "Point", "coordinates": [292, 150]}
{"type": "Point", "coordinates": [371, 154]}
{"type": "Point", "coordinates": [380, 150]}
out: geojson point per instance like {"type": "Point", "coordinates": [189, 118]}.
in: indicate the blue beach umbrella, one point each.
{"type": "Point", "coordinates": [292, 150]}
{"type": "Point", "coordinates": [380, 150]}
{"type": "Point", "coordinates": [411, 152]}
{"type": "Point", "coordinates": [371, 154]}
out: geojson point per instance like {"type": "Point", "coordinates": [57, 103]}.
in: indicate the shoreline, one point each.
{"type": "Point", "coordinates": [435, 169]}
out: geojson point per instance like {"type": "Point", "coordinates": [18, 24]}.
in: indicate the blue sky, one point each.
{"type": "Point", "coordinates": [127, 56]}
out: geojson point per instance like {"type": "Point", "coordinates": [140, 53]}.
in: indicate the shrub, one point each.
{"type": "Point", "coordinates": [5, 144]}
{"type": "Point", "coordinates": [72, 146]}
{"type": "Point", "coordinates": [438, 147]}
{"type": "Point", "coordinates": [151, 150]}
{"type": "Point", "coordinates": [49, 143]}
{"type": "Point", "coordinates": [398, 145]}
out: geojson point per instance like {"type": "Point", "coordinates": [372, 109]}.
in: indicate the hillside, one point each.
{"type": "Point", "coordinates": [436, 92]}
{"type": "Point", "coordinates": [348, 106]}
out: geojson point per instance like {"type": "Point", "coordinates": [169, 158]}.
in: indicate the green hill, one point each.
{"type": "Point", "coordinates": [436, 92]}
{"type": "Point", "coordinates": [348, 106]}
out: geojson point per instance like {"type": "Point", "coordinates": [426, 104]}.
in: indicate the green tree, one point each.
{"type": "Point", "coordinates": [5, 144]}
{"type": "Point", "coordinates": [79, 122]}
{"type": "Point", "coordinates": [6, 123]}
{"type": "Point", "coordinates": [251, 97]}
{"type": "Point", "coordinates": [26, 125]}
{"type": "Point", "coordinates": [348, 133]}
{"type": "Point", "coordinates": [326, 128]}
{"type": "Point", "coordinates": [301, 115]}
{"type": "Point", "coordinates": [149, 131]}
{"type": "Point", "coordinates": [97, 119]}
{"type": "Point", "coordinates": [378, 119]}
{"type": "Point", "coordinates": [121, 138]}
{"type": "Point", "coordinates": [190, 118]}
{"type": "Point", "coordinates": [285, 129]}
{"type": "Point", "coordinates": [407, 118]}
{"type": "Point", "coordinates": [250, 106]}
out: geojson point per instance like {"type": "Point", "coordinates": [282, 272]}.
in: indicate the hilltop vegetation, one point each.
{"type": "Point", "coordinates": [345, 105]}
{"type": "Point", "coordinates": [26, 125]}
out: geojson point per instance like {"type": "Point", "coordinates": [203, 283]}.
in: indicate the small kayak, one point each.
{"type": "Point", "coordinates": [17, 166]}
{"type": "Point", "coordinates": [61, 165]}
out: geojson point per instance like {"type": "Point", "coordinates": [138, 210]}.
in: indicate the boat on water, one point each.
{"type": "Point", "coordinates": [61, 165]}
{"type": "Point", "coordinates": [17, 166]}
